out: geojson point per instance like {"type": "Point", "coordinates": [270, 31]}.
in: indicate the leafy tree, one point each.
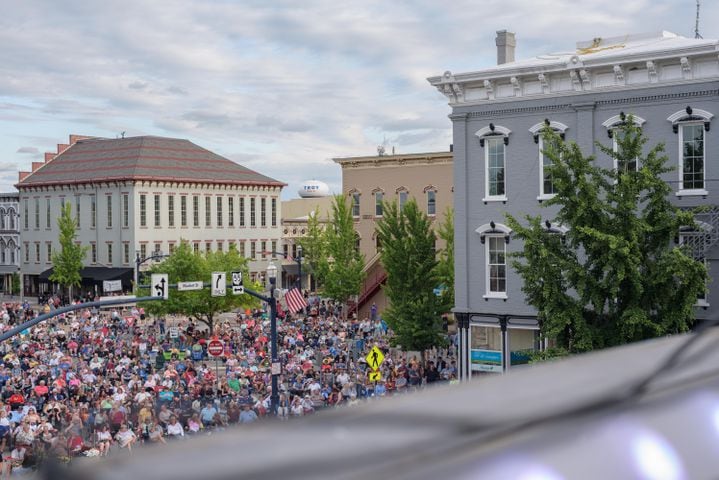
{"type": "Point", "coordinates": [15, 284]}
{"type": "Point", "coordinates": [408, 256]}
{"type": "Point", "coordinates": [67, 263]}
{"type": "Point", "coordinates": [341, 267]}
{"type": "Point", "coordinates": [614, 276]}
{"type": "Point", "coordinates": [185, 265]}
{"type": "Point", "coordinates": [314, 245]}
{"type": "Point", "coordinates": [445, 265]}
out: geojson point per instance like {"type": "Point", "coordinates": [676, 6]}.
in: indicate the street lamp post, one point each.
{"type": "Point", "coordinates": [275, 395]}
{"type": "Point", "coordinates": [156, 255]}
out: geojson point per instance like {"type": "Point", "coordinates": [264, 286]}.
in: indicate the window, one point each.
{"type": "Point", "coordinates": [196, 247]}
{"type": "Point", "coordinates": [93, 253]}
{"type": "Point", "coordinates": [2, 219]}
{"type": "Point", "coordinates": [253, 250]}
{"type": "Point", "coordinates": [11, 247]}
{"type": "Point", "coordinates": [493, 139]}
{"type": "Point", "coordinates": [109, 211]}
{"type": "Point", "coordinates": [109, 253]}
{"type": "Point", "coordinates": [253, 221]}
{"type": "Point", "coordinates": [208, 247]}
{"type": "Point", "coordinates": [431, 202]}
{"type": "Point", "coordinates": [495, 238]}
{"type": "Point", "coordinates": [230, 211]}
{"type": "Point", "coordinates": [274, 212]}
{"type": "Point", "coordinates": [25, 215]}
{"type": "Point", "coordinates": [27, 252]}
{"type": "Point", "coordinates": [157, 222]}
{"type": "Point", "coordinates": [195, 211]}
{"type": "Point", "coordinates": [242, 211]}
{"type": "Point", "coordinates": [143, 250]}
{"type": "Point", "coordinates": [48, 214]}
{"type": "Point", "coordinates": [37, 213]}
{"type": "Point", "coordinates": [93, 212]}
{"type": "Point", "coordinates": [220, 246]}
{"type": "Point", "coordinates": [49, 252]}
{"type": "Point", "coordinates": [158, 248]}
{"type": "Point", "coordinates": [219, 211]}
{"type": "Point", "coordinates": [208, 212]}
{"type": "Point", "coordinates": [170, 210]}
{"type": "Point", "coordinates": [263, 248]}
{"type": "Point", "coordinates": [77, 211]}
{"type": "Point", "coordinates": [378, 199]}
{"type": "Point", "coordinates": [37, 252]}
{"type": "Point", "coordinates": [355, 204]}
{"type": "Point", "coordinates": [496, 266]}
{"type": "Point", "coordinates": [143, 211]}
{"type": "Point", "coordinates": [402, 198]}
{"type": "Point", "coordinates": [2, 253]}
{"type": "Point", "coordinates": [232, 246]}
{"type": "Point", "coordinates": [171, 247]}
{"type": "Point", "coordinates": [546, 180]}
{"type": "Point", "coordinates": [183, 211]}
{"type": "Point", "coordinates": [125, 210]}
{"type": "Point", "coordinates": [11, 218]}
{"type": "Point", "coordinates": [263, 212]}
{"type": "Point", "coordinates": [274, 248]}
{"type": "Point", "coordinates": [242, 249]}
{"type": "Point", "coordinates": [286, 249]}
{"type": "Point", "coordinates": [691, 145]}
{"type": "Point", "coordinates": [126, 253]}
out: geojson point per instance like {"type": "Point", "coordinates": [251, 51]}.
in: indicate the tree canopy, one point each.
{"type": "Point", "coordinates": [314, 245]}
{"type": "Point", "coordinates": [67, 262]}
{"type": "Point", "coordinates": [605, 270]}
{"type": "Point", "coordinates": [445, 264]}
{"type": "Point", "coordinates": [409, 258]}
{"type": "Point", "coordinates": [185, 265]}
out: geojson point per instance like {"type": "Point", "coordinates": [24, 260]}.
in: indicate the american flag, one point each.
{"type": "Point", "coordinates": [295, 301]}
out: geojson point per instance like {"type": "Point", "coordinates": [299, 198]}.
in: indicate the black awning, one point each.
{"type": "Point", "coordinates": [96, 274]}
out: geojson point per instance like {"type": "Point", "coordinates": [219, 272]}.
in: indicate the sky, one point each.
{"type": "Point", "coordinates": [281, 87]}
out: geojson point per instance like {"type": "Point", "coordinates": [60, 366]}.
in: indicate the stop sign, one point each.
{"type": "Point", "coordinates": [215, 348]}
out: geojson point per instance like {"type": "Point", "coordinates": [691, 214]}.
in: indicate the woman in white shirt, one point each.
{"type": "Point", "coordinates": [126, 437]}
{"type": "Point", "coordinates": [104, 438]}
{"type": "Point", "coordinates": [174, 428]}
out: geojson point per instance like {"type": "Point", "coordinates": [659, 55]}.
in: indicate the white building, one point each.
{"type": "Point", "coordinates": [9, 240]}
{"type": "Point", "coordinates": [139, 195]}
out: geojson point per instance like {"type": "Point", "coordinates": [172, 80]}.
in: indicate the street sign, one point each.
{"type": "Point", "coordinates": [174, 332]}
{"type": "Point", "coordinates": [219, 284]}
{"type": "Point", "coordinates": [375, 376]}
{"type": "Point", "coordinates": [237, 287]}
{"type": "Point", "coordinates": [111, 286]}
{"type": "Point", "coordinates": [276, 368]}
{"type": "Point", "coordinates": [187, 286]}
{"type": "Point", "coordinates": [374, 358]}
{"type": "Point", "coordinates": [215, 348]}
{"type": "Point", "coordinates": [159, 285]}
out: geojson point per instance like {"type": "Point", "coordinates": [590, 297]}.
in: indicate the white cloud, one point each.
{"type": "Point", "coordinates": [284, 86]}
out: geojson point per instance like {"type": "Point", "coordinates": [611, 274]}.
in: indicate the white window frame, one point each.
{"type": "Point", "coordinates": [491, 133]}
{"type": "Point", "coordinates": [427, 192]}
{"type": "Point", "coordinates": [356, 198]}
{"type": "Point", "coordinates": [400, 203]}
{"type": "Point", "coordinates": [611, 124]}
{"type": "Point", "coordinates": [536, 131]}
{"type": "Point", "coordinates": [682, 118]}
{"type": "Point", "coordinates": [488, 233]}
{"type": "Point", "coordinates": [378, 205]}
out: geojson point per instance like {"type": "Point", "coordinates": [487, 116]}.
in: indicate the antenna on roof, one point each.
{"type": "Point", "coordinates": [122, 135]}
{"type": "Point", "coordinates": [696, 24]}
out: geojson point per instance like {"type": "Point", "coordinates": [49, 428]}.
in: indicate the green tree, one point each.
{"type": "Point", "coordinates": [67, 263]}
{"type": "Point", "coordinates": [314, 246]}
{"type": "Point", "coordinates": [614, 276]}
{"type": "Point", "coordinates": [341, 267]}
{"type": "Point", "coordinates": [15, 284]}
{"type": "Point", "coordinates": [185, 265]}
{"type": "Point", "coordinates": [409, 258]}
{"type": "Point", "coordinates": [445, 264]}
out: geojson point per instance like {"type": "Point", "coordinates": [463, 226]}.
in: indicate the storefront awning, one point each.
{"type": "Point", "coordinates": [92, 275]}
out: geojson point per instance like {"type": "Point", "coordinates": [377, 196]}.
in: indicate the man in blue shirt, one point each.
{"type": "Point", "coordinates": [247, 415]}
{"type": "Point", "coordinates": [207, 414]}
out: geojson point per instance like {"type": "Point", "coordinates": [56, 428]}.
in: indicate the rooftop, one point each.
{"type": "Point", "coordinates": [91, 160]}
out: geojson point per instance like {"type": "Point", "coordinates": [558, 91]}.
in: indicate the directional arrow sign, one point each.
{"type": "Point", "coordinates": [237, 287]}
{"type": "Point", "coordinates": [160, 285]}
{"type": "Point", "coordinates": [375, 376]}
{"type": "Point", "coordinates": [219, 284]}
{"type": "Point", "coordinates": [186, 286]}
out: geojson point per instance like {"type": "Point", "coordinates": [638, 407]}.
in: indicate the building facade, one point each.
{"type": "Point", "coordinates": [368, 181]}
{"type": "Point", "coordinates": [133, 197]}
{"type": "Point", "coordinates": [9, 241]}
{"type": "Point", "coordinates": [669, 84]}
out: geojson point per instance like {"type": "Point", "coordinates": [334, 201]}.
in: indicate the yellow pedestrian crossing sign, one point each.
{"type": "Point", "coordinates": [374, 358]}
{"type": "Point", "coordinates": [375, 376]}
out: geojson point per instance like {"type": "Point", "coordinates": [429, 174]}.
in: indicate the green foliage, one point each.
{"type": "Point", "coordinates": [314, 245]}
{"type": "Point", "coordinates": [341, 268]}
{"type": "Point", "coordinates": [67, 262]}
{"type": "Point", "coordinates": [15, 284]}
{"type": "Point", "coordinates": [445, 265]}
{"type": "Point", "coordinates": [185, 265]}
{"type": "Point", "coordinates": [615, 276]}
{"type": "Point", "coordinates": [408, 256]}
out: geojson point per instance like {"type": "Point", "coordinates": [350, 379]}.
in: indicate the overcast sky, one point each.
{"type": "Point", "coordinates": [279, 86]}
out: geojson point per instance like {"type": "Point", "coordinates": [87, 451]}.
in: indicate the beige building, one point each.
{"type": "Point", "coordinates": [367, 181]}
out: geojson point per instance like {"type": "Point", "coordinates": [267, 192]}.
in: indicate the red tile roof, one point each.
{"type": "Point", "coordinates": [141, 158]}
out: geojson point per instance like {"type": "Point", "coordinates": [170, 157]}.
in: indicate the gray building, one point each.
{"type": "Point", "coordinates": [670, 84]}
{"type": "Point", "coordinates": [9, 241]}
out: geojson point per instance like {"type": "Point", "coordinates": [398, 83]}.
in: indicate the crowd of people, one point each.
{"type": "Point", "coordinates": [98, 382]}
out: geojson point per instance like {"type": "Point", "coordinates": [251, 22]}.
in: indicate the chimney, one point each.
{"type": "Point", "coordinates": [505, 46]}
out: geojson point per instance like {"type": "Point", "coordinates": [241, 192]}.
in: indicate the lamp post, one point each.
{"type": "Point", "coordinates": [156, 255]}
{"type": "Point", "coordinates": [274, 367]}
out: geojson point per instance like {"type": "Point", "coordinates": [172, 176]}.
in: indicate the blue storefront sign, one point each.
{"type": "Point", "coordinates": [486, 360]}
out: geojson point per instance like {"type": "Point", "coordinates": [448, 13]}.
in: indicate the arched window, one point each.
{"type": "Point", "coordinates": [12, 248]}
{"type": "Point", "coordinates": [402, 197]}
{"type": "Point", "coordinates": [2, 219]}
{"type": "Point", "coordinates": [378, 194]}
{"type": "Point", "coordinates": [691, 124]}
{"type": "Point", "coordinates": [355, 197]}
{"type": "Point", "coordinates": [11, 218]}
{"type": "Point", "coordinates": [546, 180]}
{"type": "Point", "coordinates": [3, 256]}
{"type": "Point", "coordinates": [612, 124]}
{"type": "Point", "coordinates": [431, 192]}
{"type": "Point", "coordinates": [495, 237]}
{"type": "Point", "coordinates": [494, 139]}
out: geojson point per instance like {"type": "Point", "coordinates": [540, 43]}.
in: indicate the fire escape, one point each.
{"type": "Point", "coordinates": [374, 279]}
{"type": "Point", "coordinates": [701, 239]}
